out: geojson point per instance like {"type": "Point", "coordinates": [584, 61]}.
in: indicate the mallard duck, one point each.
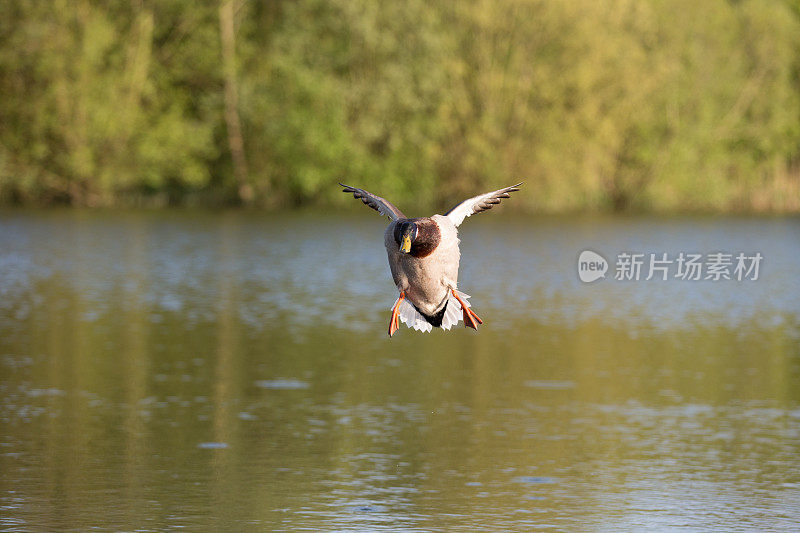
{"type": "Point", "coordinates": [423, 256]}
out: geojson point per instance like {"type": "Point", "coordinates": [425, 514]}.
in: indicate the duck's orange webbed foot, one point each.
{"type": "Point", "coordinates": [471, 319]}
{"type": "Point", "coordinates": [394, 323]}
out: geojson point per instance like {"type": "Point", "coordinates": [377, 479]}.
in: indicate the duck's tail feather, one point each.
{"type": "Point", "coordinates": [412, 318]}
{"type": "Point", "coordinates": [453, 314]}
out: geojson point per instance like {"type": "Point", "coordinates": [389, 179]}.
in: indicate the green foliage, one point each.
{"type": "Point", "coordinates": [596, 105]}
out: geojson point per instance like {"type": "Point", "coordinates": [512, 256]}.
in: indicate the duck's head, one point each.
{"type": "Point", "coordinates": [417, 237]}
{"type": "Point", "coordinates": [407, 232]}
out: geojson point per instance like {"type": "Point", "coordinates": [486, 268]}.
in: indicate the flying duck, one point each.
{"type": "Point", "coordinates": [423, 256]}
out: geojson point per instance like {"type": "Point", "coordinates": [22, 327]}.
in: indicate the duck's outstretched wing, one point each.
{"type": "Point", "coordinates": [477, 204]}
{"type": "Point", "coordinates": [384, 207]}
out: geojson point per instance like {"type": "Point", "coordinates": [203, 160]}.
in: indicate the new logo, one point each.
{"type": "Point", "coordinates": [591, 266]}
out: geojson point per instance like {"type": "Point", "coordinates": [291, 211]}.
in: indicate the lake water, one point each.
{"type": "Point", "coordinates": [232, 371]}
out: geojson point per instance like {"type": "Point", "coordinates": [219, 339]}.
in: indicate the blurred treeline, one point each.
{"type": "Point", "coordinates": [616, 104]}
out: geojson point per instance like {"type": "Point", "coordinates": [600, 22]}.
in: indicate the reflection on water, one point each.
{"type": "Point", "coordinates": [232, 371]}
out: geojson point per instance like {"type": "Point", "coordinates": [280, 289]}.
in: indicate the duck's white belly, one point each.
{"type": "Point", "coordinates": [426, 280]}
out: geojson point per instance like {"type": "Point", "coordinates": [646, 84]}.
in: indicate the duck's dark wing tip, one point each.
{"type": "Point", "coordinates": [384, 207]}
